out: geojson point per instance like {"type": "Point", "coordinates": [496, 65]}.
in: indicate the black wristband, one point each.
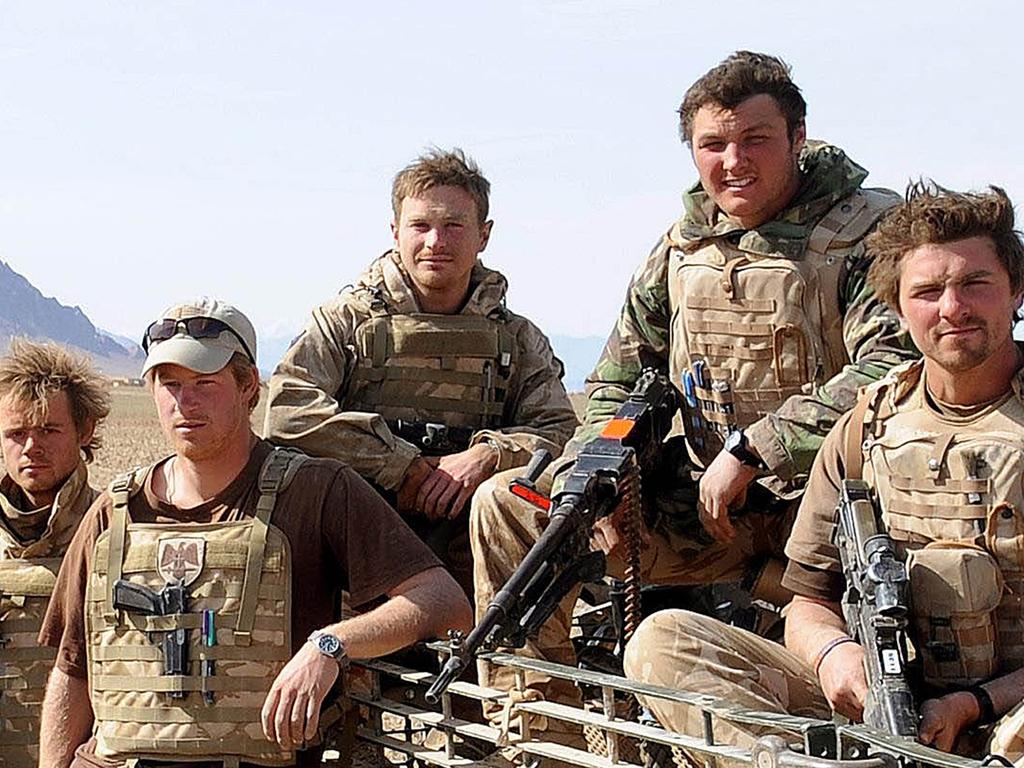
{"type": "Point", "coordinates": [985, 707]}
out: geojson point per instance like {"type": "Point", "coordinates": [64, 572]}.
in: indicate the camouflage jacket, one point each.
{"type": "Point", "coordinates": [307, 401]}
{"type": "Point", "coordinates": [788, 438]}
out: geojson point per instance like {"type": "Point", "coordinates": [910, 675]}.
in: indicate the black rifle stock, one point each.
{"type": "Point", "coordinates": [561, 557]}
{"type": "Point", "coordinates": [876, 604]}
{"type": "Point", "coordinates": [172, 599]}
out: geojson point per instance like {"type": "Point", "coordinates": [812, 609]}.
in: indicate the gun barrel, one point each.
{"type": "Point", "coordinates": [449, 674]}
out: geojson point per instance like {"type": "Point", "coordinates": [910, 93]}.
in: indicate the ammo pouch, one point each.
{"type": "Point", "coordinates": [956, 588]}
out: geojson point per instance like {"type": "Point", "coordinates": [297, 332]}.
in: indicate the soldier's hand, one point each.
{"type": "Point", "coordinates": [945, 718]}
{"type": "Point", "coordinates": [418, 471]}
{"type": "Point", "coordinates": [609, 533]}
{"type": "Point", "coordinates": [723, 487]}
{"type": "Point", "coordinates": [450, 486]}
{"type": "Point", "coordinates": [291, 711]}
{"type": "Point", "coordinates": [842, 680]}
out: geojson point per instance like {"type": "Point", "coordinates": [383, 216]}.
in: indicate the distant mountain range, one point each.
{"type": "Point", "coordinates": [24, 311]}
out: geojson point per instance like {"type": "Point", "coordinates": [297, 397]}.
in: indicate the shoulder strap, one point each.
{"type": "Point", "coordinates": [276, 473]}
{"type": "Point", "coordinates": [852, 217]}
{"type": "Point", "coordinates": [121, 490]}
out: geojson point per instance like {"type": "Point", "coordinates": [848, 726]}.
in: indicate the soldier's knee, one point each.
{"type": "Point", "coordinates": [666, 637]}
{"type": "Point", "coordinates": [489, 506]}
{"type": "Point", "coordinates": [649, 643]}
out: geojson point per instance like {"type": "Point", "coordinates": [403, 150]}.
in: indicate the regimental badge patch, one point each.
{"type": "Point", "coordinates": [181, 559]}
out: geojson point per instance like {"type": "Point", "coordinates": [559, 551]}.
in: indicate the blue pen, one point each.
{"type": "Point", "coordinates": [688, 391]}
{"type": "Point", "coordinates": [700, 370]}
{"type": "Point", "coordinates": [209, 634]}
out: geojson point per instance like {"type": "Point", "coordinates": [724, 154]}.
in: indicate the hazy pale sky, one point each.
{"type": "Point", "coordinates": [154, 151]}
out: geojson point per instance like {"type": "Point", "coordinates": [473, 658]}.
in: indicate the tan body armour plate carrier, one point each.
{"type": "Point", "coordinates": [25, 590]}
{"type": "Point", "coordinates": [951, 496]}
{"type": "Point", "coordinates": [765, 327]}
{"type": "Point", "coordinates": [438, 369]}
{"type": "Point", "coordinates": [241, 571]}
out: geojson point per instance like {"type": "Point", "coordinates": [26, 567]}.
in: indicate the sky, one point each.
{"type": "Point", "coordinates": [151, 152]}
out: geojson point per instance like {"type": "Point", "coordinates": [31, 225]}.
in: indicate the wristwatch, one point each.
{"type": "Point", "coordinates": [736, 444]}
{"type": "Point", "coordinates": [330, 645]}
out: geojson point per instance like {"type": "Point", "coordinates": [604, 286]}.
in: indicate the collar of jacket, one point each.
{"type": "Point", "coordinates": [72, 500]}
{"type": "Point", "coordinates": [827, 176]}
{"type": "Point", "coordinates": [386, 282]}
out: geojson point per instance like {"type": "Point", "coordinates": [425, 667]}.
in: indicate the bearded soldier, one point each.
{"type": "Point", "coordinates": [180, 633]}
{"type": "Point", "coordinates": [419, 377]}
{"type": "Point", "coordinates": [940, 443]}
{"type": "Point", "coordinates": [51, 405]}
{"type": "Point", "coordinates": [755, 304]}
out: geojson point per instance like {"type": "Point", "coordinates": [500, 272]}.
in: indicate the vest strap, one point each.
{"type": "Point", "coordinates": [833, 222]}
{"type": "Point", "coordinates": [120, 493]}
{"type": "Point", "coordinates": [276, 472]}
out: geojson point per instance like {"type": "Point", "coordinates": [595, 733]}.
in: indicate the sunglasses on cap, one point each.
{"type": "Point", "coordinates": [194, 327]}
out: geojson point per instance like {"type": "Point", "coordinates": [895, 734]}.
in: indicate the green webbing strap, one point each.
{"type": "Point", "coordinates": [275, 474]}
{"type": "Point", "coordinates": [120, 493]}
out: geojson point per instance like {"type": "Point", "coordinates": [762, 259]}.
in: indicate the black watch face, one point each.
{"type": "Point", "coordinates": [329, 645]}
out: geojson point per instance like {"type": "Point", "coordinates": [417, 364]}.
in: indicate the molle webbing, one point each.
{"type": "Point", "coordinates": [439, 368]}
{"type": "Point", "coordinates": [242, 577]}
{"type": "Point", "coordinates": [943, 483]}
{"type": "Point", "coordinates": [764, 326]}
{"type": "Point", "coordinates": [25, 590]}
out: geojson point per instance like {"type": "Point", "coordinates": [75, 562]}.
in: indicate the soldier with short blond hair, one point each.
{"type": "Point", "coordinates": [420, 377]}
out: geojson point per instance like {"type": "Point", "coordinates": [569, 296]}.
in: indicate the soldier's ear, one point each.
{"type": "Point", "coordinates": [394, 232]}
{"type": "Point", "coordinates": [88, 429]}
{"type": "Point", "coordinates": [485, 235]}
{"type": "Point", "coordinates": [799, 137]}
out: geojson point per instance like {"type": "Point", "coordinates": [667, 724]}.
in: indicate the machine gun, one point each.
{"type": "Point", "coordinates": [606, 472]}
{"type": "Point", "coordinates": [172, 599]}
{"type": "Point", "coordinates": [875, 605]}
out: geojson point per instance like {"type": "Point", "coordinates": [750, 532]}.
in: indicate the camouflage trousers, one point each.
{"type": "Point", "coordinates": [502, 529]}
{"type": "Point", "coordinates": [692, 652]}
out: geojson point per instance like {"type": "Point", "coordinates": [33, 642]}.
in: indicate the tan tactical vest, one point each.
{"type": "Point", "coordinates": [28, 571]}
{"type": "Point", "coordinates": [764, 327]}
{"type": "Point", "coordinates": [241, 572]}
{"type": "Point", "coordinates": [25, 589]}
{"type": "Point", "coordinates": [951, 493]}
{"type": "Point", "coordinates": [447, 369]}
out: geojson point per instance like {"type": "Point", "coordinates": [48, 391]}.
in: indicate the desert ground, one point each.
{"type": "Point", "coordinates": [132, 437]}
{"type": "Point", "coordinates": [131, 434]}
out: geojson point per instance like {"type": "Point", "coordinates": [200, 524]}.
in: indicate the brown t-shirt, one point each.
{"type": "Point", "coordinates": [343, 536]}
{"type": "Point", "coordinates": [814, 568]}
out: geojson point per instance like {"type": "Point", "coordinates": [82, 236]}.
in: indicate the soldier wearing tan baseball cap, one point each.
{"type": "Point", "coordinates": [200, 335]}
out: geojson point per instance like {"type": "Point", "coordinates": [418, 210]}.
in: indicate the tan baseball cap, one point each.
{"type": "Point", "coordinates": [181, 337]}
